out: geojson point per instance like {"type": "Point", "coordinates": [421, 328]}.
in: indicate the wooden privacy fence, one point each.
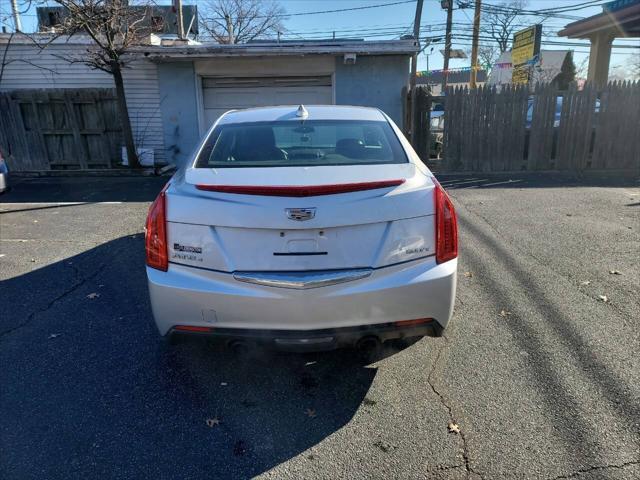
{"type": "Point", "coordinates": [486, 130]}
{"type": "Point", "coordinates": [59, 129]}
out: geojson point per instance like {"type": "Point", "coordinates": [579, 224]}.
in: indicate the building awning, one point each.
{"type": "Point", "coordinates": [620, 18]}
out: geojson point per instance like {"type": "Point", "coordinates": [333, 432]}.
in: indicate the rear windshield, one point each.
{"type": "Point", "coordinates": [301, 143]}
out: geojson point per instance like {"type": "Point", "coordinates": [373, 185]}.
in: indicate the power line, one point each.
{"type": "Point", "coordinates": [317, 12]}
{"type": "Point", "coordinates": [498, 9]}
{"type": "Point", "coordinates": [547, 42]}
{"type": "Point", "coordinates": [338, 10]}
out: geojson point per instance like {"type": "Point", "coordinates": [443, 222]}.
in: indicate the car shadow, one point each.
{"type": "Point", "coordinates": [85, 189]}
{"type": "Point", "coordinates": [460, 181]}
{"type": "Point", "coordinates": [90, 390]}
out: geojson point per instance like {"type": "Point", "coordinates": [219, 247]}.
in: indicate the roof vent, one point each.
{"type": "Point", "coordinates": [302, 112]}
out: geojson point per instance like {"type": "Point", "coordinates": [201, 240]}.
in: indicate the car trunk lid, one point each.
{"type": "Point", "coordinates": [370, 227]}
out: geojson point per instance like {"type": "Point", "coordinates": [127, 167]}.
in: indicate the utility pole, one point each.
{"type": "Point", "coordinates": [414, 71]}
{"type": "Point", "coordinates": [447, 43]}
{"type": "Point", "coordinates": [16, 15]}
{"type": "Point", "coordinates": [180, 20]}
{"type": "Point", "coordinates": [474, 46]}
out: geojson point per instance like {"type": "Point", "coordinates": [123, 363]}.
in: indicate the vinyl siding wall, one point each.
{"type": "Point", "coordinates": [28, 67]}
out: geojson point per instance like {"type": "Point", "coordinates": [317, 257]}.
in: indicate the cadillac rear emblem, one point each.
{"type": "Point", "coordinates": [300, 214]}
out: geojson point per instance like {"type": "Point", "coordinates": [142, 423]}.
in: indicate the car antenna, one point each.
{"type": "Point", "coordinates": [302, 112]}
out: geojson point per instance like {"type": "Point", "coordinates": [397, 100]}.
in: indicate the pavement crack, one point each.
{"type": "Point", "coordinates": [452, 419]}
{"type": "Point", "coordinates": [75, 286]}
{"type": "Point", "coordinates": [442, 468]}
{"type": "Point", "coordinates": [582, 471]}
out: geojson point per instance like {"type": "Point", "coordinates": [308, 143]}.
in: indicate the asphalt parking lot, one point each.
{"type": "Point", "coordinates": [541, 375]}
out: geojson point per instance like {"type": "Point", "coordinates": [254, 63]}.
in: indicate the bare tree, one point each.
{"type": "Point", "coordinates": [239, 21]}
{"type": "Point", "coordinates": [487, 55]}
{"type": "Point", "coordinates": [582, 68]}
{"type": "Point", "coordinates": [501, 22]}
{"type": "Point", "coordinates": [625, 71]}
{"type": "Point", "coordinates": [633, 67]}
{"type": "Point", "coordinates": [115, 28]}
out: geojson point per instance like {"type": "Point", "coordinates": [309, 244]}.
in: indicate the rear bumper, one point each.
{"type": "Point", "coordinates": [196, 297]}
{"type": "Point", "coordinates": [317, 340]}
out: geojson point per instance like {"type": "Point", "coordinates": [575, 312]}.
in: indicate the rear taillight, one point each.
{"type": "Point", "coordinates": [155, 236]}
{"type": "Point", "coordinates": [446, 226]}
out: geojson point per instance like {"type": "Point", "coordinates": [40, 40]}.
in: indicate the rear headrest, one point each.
{"type": "Point", "coordinates": [350, 147]}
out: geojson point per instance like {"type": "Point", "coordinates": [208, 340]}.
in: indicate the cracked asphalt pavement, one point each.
{"type": "Point", "coordinates": [540, 374]}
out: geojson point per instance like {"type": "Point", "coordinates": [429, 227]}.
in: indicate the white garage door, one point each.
{"type": "Point", "coordinates": [222, 94]}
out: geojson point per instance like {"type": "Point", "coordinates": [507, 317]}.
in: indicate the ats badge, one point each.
{"type": "Point", "coordinates": [300, 214]}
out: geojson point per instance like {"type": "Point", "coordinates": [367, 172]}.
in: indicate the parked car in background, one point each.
{"type": "Point", "coordinates": [436, 131]}
{"type": "Point", "coordinates": [558, 110]}
{"type": "Point", "coordinates": [4, 174]}
{"type": "Point", "coordinates": [303, 228]}
{"type": "Point", "coordinates": [556, 124]}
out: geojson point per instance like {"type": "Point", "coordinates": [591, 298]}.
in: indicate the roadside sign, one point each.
{"type": "Point", "coordinates": [526, 48]}
{"type": "Point", "coordinates": [520, 74]}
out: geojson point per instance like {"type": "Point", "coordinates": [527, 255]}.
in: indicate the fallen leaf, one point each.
{"type": "Point", "coordinates": [369, 402]}
{"type": "Point", "coordinates": [384, 446]}
{"type": "Point", "coordinates": [505, 313]}
{"type": "Point", "coordinates": [614, 272]}
{"type": "Point", "coordinates": [212, 422]}
{"type": "Point", "coordinates": [55, 335]}
{"type": "Point", "coordinates": [586, 282]}
{"type": "Point", "coordinates": [453, 428]}
{"type": "Point", "coordinates": [603, 298]}
{"type": "Point", "coordinates": [93, 295]}
{"type": "Point", "coordinates": [310, 412]}
{"type": "Point", "coordinates": [468, 274]}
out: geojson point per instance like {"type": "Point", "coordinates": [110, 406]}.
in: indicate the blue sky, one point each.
{"type": "Point", "coordinates": [391, 21]}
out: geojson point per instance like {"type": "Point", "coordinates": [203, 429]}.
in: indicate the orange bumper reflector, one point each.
{"type": "Point", "coordinates": [191, 328]}
{"type": "Point", "coordinates": [417, 321]}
